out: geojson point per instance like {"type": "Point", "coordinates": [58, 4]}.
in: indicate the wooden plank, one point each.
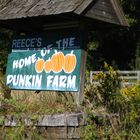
{"type": "Point", "coordinates": [104, 2]}
{"type": "Point", "coordinates": [129, 83]}
{"type": "Point", "coordinates": [56, 133]}
{"type": "Point", "coordinates": [108, 11]}
{"type": "Point", "coordinates": [82, 6]}
{"type": "Point", "coordinates": [84, 34]}
{"type": "Point", "coordinates": [119, 12]}
{"type": "Point", "coordinates": [127, 72]}
{"type": "Point", "coordinates": [103, 18]}
{"type": "Point", "coordinates": [103, 10]}
{"type": "Point", "coordinates": [120, 72]}
{"type": "Point", "coordinates": [127, 77]}
{"type": "Point", "coordinates": [102, 13]}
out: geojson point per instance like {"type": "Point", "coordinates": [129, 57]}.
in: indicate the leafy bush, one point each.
{"type": "Point", "coordinates": [113, 110]}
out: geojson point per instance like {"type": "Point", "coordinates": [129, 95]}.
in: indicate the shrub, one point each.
{"type": "Point", "coordinates": [109, 97]}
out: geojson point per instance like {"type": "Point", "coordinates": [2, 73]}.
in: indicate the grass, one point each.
{"type": "Point", "coordinates": [39, 103]}
{"type": "Point", "coordinates": [99, 101]}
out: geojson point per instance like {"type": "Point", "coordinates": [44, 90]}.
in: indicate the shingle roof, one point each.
{"type": "Point", "coordinates": [29, 8]}
{"type": "Point", "coordinates": [17, 9]}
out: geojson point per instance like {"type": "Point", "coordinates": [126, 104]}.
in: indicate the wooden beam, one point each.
{"type": "Point", "coordinates": [84, 34]}
{"type": "Point", "coordinates": [119, 12]}
{"type": "Point", "coordinates": [61, 25]}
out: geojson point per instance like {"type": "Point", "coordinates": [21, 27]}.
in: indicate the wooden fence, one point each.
{"type": "Point", "coordinates": [128, 78]}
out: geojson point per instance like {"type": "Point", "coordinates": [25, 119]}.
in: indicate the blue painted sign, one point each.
{"type": "Point", "coordinates": [44, 70]}
{"type": "Point", "coordinates": [56, 40]}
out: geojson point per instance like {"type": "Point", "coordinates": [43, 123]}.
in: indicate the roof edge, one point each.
{"type": "Point", "coordinates": [81, 8]}
{"type": "Point", "coordinates": [119, 12]}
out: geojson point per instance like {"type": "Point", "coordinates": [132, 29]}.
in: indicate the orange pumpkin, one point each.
{"type": "Point", "coordinates": [70, 63]}
{"type": "Point", "coordinates": [48, 65]}
{"type": "Point", "coordinates": [39, 65]}
{"type": "Point", "coordinates": [57, 61]}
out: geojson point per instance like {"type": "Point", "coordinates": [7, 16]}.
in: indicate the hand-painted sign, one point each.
{"type": "Point", "coordinates": [57, 40]}
{"type": "Point", "coordinates": [44, 70]}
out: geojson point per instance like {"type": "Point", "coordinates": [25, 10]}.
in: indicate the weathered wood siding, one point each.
{"type": "Point", "coordinates": [103, 10]}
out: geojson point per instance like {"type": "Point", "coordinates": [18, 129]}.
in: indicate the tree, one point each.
{"type": "Point", "coordinates": [5, 36]}
{"type": "Point", "coordinates": [118, 46]}
{"type": "Point", "coordinates": [132, 11]}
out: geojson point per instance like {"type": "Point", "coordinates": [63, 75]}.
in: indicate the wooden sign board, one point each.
{"type": "Point", "coordinates": [57, 40]}
{"type": "Point", "coordinates": [45, 62]}
{"type": "Point", "coordinates": [40, 70]}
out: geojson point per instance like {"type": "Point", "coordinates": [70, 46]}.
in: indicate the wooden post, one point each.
{"type": "Point", "coordinates": [138, 75]}
{"type": "Point", "coordinates": [84, 40]}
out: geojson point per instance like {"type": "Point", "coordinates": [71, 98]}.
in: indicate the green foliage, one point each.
{"type": "Point", "coordinates": [117, 46]}
{"type": "Point", "coordinates": [5, 36]}
{"type": "Point", "coordinates": [90, 134]}
{"type": "Point", "coordinates": [109, 97]}
{"type": "Point", "coordinates": [20, 133]}
{"type": "Point", "coordinates": [93, 61]}
{"type": "Point", "coordinates": [132, 11]}
{"type": "Point", "coordinates": [22, 104]}
{"type": "Point", "coordinates": [120, 48]}
{"type": "Point", "coordinates": [137, 57]}
{"type": "Point", "coordinates": [107, 88]}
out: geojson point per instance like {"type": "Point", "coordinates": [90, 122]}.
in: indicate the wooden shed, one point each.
{"type": "Point", "coordinates": [32, 17]}
{"type": "Point", "coordinates": [40, 15]}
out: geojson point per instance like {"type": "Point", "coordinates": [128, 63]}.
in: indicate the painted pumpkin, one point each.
{"type": "Point", "coordinates": [39, 65]}
{"type": "Point", "coordinates": [57, 62]}
{"type": "Point", "coordinates": [48, 65]}
{"type": "Point", "coordinates": [70, 63]}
